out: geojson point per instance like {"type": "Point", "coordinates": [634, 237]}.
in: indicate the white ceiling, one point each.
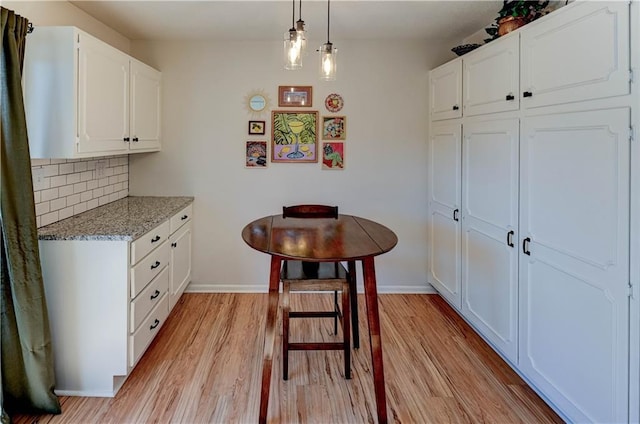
{"type": "Point", "coordinates": [269, 19]}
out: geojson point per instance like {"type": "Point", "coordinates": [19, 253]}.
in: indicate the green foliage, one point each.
{"type": "Point", "coordinates": [282, 133]}
{"type": "Point", "coordinates": [530, 10]}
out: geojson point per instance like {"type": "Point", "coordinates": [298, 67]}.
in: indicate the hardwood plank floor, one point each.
{"type": "Point", "coordinates": [205, 365]}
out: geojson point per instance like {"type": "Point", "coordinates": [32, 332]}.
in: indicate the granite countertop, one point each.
{"type": "Point", "coordinates": [124, 219]}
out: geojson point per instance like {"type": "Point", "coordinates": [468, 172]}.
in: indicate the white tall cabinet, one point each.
{"type": "Point", "coordinates": [539, 261]}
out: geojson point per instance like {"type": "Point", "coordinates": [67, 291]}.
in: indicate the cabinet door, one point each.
{"type": "Point", "coordinates": [444, 210]}
{"type": "Point", "coordinates": [103, 97]}
{"type": "Point", "coordinates": [145, 107]}
{"type": "Point", "coordinates": [492, 76]}
{"type": "Point", "coordinates": [576, 54]}
{"type": "Point", "coordinates": [180, 265]}
{"type": "Point", "coordinates": [446, 91]}
{"type": "Point", "coordinates": [490, 230]}
{"type": "Point", "coordinates": [574, 261]}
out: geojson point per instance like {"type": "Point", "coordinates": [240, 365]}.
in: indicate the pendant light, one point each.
{"type": "Point", "coordinates": [302, 36]}
{"type": "Point", "coordinates": [328, 54]}
{"type": "Point", "coordinates": [292, 51]}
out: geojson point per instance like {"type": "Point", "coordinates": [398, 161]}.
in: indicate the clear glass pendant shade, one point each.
{"type": "Point", "coordinates": [328, 56]}
{"type": "Point", "coordinates": [292, 50]}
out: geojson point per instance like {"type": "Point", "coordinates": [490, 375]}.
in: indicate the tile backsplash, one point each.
{"type": "Point", "coordinates": [66, 187]}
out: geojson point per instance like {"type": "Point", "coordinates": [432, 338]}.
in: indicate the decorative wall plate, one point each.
{"type": "Point", "coordinates": [334, 102]}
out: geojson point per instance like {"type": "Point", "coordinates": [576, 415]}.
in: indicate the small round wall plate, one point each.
{"type": "Point", "coordinates": [257, 102]}
{"type": "Point", "coordinates": [334, 102]}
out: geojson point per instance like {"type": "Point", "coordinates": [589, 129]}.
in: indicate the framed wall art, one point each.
{"type": "Point", "coordinates": [333, 155]}
{"type": "Point", "coordinates": [256, 127]}
{"type": "Point", "coordinates": [294, 136]}
{"type": "Point", "coordinates": [296, 96]}
{"type": "Point", "coordinates": [334, 127]}
{"type": "Point", "coordinates": [256, 154]}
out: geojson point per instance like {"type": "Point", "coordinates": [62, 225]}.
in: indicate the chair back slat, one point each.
{"type": "Point", "coordinates": [310, 211]}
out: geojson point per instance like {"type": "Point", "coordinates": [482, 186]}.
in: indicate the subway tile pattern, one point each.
{"type": "Point", "coordinates": [68, 187]}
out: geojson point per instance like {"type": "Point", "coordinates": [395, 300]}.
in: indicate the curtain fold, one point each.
{"type": "Point", "coordinates": [26, 361]}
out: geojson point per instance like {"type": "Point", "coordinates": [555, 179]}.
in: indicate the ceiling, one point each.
{"type": "Point", "coordinates": [268, 20]}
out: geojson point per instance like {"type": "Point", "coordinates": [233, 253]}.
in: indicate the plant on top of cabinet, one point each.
{"type": "Point", "coordinates": [514, 14]}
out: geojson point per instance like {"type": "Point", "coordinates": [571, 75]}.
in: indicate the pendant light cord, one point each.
{"type": "Point", "coordinates": [300, 11]}
{"type": "Point", "coordinates": [293, 14]}
{"type": "Point", "coordinates": [328, 19]}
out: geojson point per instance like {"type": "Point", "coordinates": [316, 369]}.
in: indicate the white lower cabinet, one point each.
{"type": "Point", "coordinates": [108, 299]}
{"type": "Point", "coordinates": [574, 261]}
{"type": "Point", "coordinates": [490, 231]}
{"type": "Point", "coordinates": [444, 210]}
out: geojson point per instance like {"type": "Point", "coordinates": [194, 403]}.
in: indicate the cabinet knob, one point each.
{"type": "Point", "coordinates": [174, 244]}
{"type": "Point", "coordinates": [456, 107]}
{"type": "Point", "coordinates": [135, 139]}
{"type": "Point", "coordinates": [527, 94]}
{"type": "Point", "coordinates": [510, 97]}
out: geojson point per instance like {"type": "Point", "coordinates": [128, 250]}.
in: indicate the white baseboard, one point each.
{"type": "Point", "coordinates": [262, 288]}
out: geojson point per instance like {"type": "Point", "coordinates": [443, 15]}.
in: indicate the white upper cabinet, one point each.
{"type": "Point", "coordinates": [491, 77]}
{"type": "Point", "coordinates": [84, 98]}
{"type": "Point", "coordinates": [571, 57]}
{"type": "Point", "coordinates": [103, 97]}
{"type": "Point", "coordinates": [445, 89]}
{"type": "Point", "coordinates": [145, 107]}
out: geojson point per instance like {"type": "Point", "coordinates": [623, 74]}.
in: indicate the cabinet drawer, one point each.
{"type": "Point", "coordinates": [148, 268]}
{"type": "Point", "coordinates": [145, 244]}
{"type": "Point", "coordinates": [148, 298]}
{"type": "Point", "coordinates": [181, 218]}
{"type": "Point", "coordinates": [151, 325]}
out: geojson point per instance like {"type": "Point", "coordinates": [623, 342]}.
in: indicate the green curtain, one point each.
{"type": "Point", "coordinates": [26, 356]}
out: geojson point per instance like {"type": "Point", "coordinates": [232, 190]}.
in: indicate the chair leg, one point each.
{"type": "Point", "coordinates": [336, 311]}
{"type": "Point", "coordinates": [285, 331]}
{"type": "Point", "coordinates": [346, 331]}
{"type": "Point", "coordinates": [353, 294]}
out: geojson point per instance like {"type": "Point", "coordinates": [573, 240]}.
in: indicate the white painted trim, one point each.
{"type": "Point", "coordinates": [262, 288]}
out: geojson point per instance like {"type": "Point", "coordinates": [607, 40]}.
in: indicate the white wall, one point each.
{"type": "Point", "coordinates": [205, 84]}
{"type": "Point", "coordinates": [63, 13]}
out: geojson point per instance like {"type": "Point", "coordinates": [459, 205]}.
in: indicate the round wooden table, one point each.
{"type": "Point", "coordinates": [348, 238]}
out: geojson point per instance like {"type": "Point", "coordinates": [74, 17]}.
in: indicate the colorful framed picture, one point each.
{"type": "Point", "coordinates": [334, 127]}
{"type": "Point", "coordinates": [256, 127]}
{"type": "Point", "coordinates": [294, 136]}
{"type": "Point", "coordinates": [333, 155]}
{"type": "Point", "coordinates": [256, 154]}
{"type": "Point", "coordinates": [295, 96]}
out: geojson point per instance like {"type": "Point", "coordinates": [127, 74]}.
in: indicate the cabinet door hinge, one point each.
{"type": "Point", "coordinates": [631, 76]}
{"type": "Point", "coordinates": [631, 133]}
{"type": "Point", "coordinates": [631, 291]}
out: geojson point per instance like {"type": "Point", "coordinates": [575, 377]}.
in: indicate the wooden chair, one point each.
{"type": "Point", "coordinates": [318, 276]}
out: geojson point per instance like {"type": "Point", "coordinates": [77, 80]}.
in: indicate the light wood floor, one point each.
{"type": "Point", "coordinates": [205, 367]}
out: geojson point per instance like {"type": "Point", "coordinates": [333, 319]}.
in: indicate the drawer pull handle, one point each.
{"type": "Point", "coordinates": [184, 217]}
{"type": "Point", "coordinates": [174, 244]}
{"type": "Point", "coordinates": [155, 324]}
{"type": "Point", "coordinates": [155, 239]}
{"type": "Point", "coordinates": [126, 139]}
{"type": "Point", "coordinates": [525, 246]}
{"type": "Point", "coordinates": [510, 235]}
{"type": "Point", "coordinates": [455, 215]}
{"type": "Point", "coordinates": [156, 265]}
{"type": "Point", "coordinates": [510, 97]}
{"type": "Point", "coordinates": [155, 295]}
{"type": "Point", "coordinates": [135, 139]}
{"type": "Point", "coordinates": [456, 107]}
{"type": "Point", "coordinates": [527, 94]}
